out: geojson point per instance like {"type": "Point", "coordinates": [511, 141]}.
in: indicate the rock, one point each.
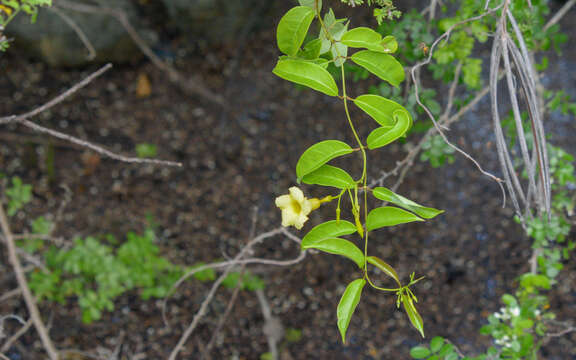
{"type": "Point", "coordinates": [215, 20]}
{"type": "Point", "coordinates": [53, 40]}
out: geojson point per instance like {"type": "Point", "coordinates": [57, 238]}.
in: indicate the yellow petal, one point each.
{"type": "Point", "coordinates": [296, 194]}
{"type": "Point", "coordinates": [283, 201]}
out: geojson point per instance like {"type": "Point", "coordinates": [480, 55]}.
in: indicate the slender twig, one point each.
{"type": "Point", "coordinates": [23, 120]}
{"type": "Point", "coordinates": [10, 294]}
{"type": "Point", "coordinates": [192, 86]}
{"type": "Point", "coordinates": [23, 284]}
{"type": "Point", "coordinates": [231, 264]}
{"type": "Point", "coordinates": [272, 326]}
{"type": "Point", "coordinates": [78, 30]}
{"type": "Point", "coordinates": [415, 79]}
{"type": "Point", "coordinates": [8, 344]}
{"type": "Point", "coordinates": [560, 14]}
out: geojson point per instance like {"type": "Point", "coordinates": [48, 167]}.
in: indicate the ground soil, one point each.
{"type": "Point", "coordinates": [239, 160]}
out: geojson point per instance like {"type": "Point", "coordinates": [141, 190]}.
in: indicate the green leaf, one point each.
{"type": "Point", "coordinates": [388, 195]}
{"type": "Point", "coordinates": [385, 66]}
{"type": "Point", "coordinates": [419, 352]}
{"type": "Point", "coordinates": [347, 305]}
{"type": "Point", "coordinates": [340, 247]}
{"type": "Point", "coordinates": [436, 344]}
{"type": "Point", "coordinates": [389, 44]}
{"type": "Point", "coordinates": [383, 136]}
{"type": "Point", "coordinates": [363, 37]}
{"type": "Point", "coordinates": [388, 216]}
{"type": "Point", "coordinates": [329, 229]}
{"type": "Point", "coordinates": [308, 74]}
{"type": "Point", "coordinates": [319, 154]}
{"type": "Point", "coordinates": [328, 175]}
{"type": "Point", "coordinates": [385, 267]}
{"type": "Point", "coordinates": [311, 50]}
{"type": "Point", "coordinates": [412, 313]}
{"type": "Point", "coordinates": [292, 29]}
{"type": "Point", "coordinates": [379, 108]}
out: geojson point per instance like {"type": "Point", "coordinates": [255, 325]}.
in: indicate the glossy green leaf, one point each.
{"type": "Point", "coordinates": [311, 4]}
{"type": "Point", "coordinates": [379, 108]}
{"type": "Point", "coordinates": [385, 66]}
{"type": "Point", "coordinates": [327, 230]}
{"type": "Point", "coordinates": [292, 29]}
{"type": "Point", "coordinates": [311, 50]}
{"type": "Point", "coordinates": [340, 247]}
{"type": "Point", "coordinates": [308, 74]}
{"type": "Point", "coordinates": [385, 267]}
{"type": "Point", "coordinates": [347, 305]}
{"type": "Point", "coordinates": [388, 216]}
{"type": "Point", "coordinates": [328, 175]}
{"type": "Point", "coordinates": [389, 44]}
{"type": "Point", "coordinates": [388, 195]}
{"type": "Point", "coordinates": [412, 313]}
{"type": "Point", "coordinates": [420, 352]}
{"type": "Point", "coordinates": [319, 154]}
{"type": "Point", "coordinates": [383, 136]}
{"type": "Point", "coordinates": [363, 37]}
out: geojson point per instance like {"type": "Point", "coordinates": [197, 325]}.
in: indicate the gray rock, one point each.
{"type": "Point", "coordinates": [214, 20]}
{"type": "Point", "coordinates": [53, 40]}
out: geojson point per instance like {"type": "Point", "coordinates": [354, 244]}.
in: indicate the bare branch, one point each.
{"type": "Point", "coordinates": [8, 344]}
{"type": "Point", "coordinates": [23, 284]}
{"type": "Point", "coordinates": [23, 120]}
{"type": "Point", "coordinates": [79, 32]}
{"type": "Point", "coordinates": [560, 14]}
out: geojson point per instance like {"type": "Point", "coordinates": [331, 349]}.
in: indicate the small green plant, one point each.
{"type": "Point", "coordinates": [146, 150]}
{"type": "Point", "coordinates": [306, 65]}
{"type": "Point", "coordinates": [437, 152]}
{"type": "Point", "coordinates": [18, 194]}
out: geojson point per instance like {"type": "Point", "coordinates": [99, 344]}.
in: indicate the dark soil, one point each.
{"type": "Point", "coordinates": [240, 160]}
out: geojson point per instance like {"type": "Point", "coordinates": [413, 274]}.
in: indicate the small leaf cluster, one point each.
{"type": "Point", "coordinates": [10, 8]}
{"type": "Point", "coordinates": [437, 152]}
{"type": "Point", "coordinates": [439, 350]}
{"type": "Point", "coordinates": [306, 64]}
{"type": "Point", "coordinates": [18, 194]}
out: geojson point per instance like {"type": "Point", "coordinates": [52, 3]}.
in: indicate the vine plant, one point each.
{"type": "Point", "coordinates": [307, 65]}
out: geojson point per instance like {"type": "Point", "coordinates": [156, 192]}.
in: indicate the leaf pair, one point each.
{"type": "Point", "coordinates": [325, 237]}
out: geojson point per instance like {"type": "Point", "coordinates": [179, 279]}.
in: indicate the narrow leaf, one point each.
{"type": "Point", "coordinates": [292, 29]}
{"type": "Point", "coordinates": [327, 230]}
{"type": "Point", "coordinates": [385, 135]}
{"type": "Point", "coordinates": [382, 65]}
{"type": "Point", "coordinates": [389, 216]}
{"type": "Point", "coordinates": [382, 265]}
{"type": "Point", "coordinates": [340, 247]}
{"type": "Point", "coordinates": [328, 175]}
{"type": "Point", "coordinates": [348, 304]}
{"type": "Point", "coordinates": [379, 108]}
{"type": "Point", "coordinates": [319, 154]}
{"type": "Point", "coordinates": [308, 74]}
{"type": "Point", "coordinates": [412, 313]}
{"type": "Point", "coordinates": [363, 37]}
{"type": "Point", "coordinates": [388, 195]}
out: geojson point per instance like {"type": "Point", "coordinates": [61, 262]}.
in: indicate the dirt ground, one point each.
{"type": "Point", "coordinates": [237, 161]}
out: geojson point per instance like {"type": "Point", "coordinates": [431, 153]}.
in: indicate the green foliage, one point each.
{"type": "Point", "coordinates": [437, 152]}
{"type": "Point", "coordinates": [18, 194]}
{"type": "Point", "coordinates": [146, 150]}
{"type": "Point", "coordinates": [95, 273]}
